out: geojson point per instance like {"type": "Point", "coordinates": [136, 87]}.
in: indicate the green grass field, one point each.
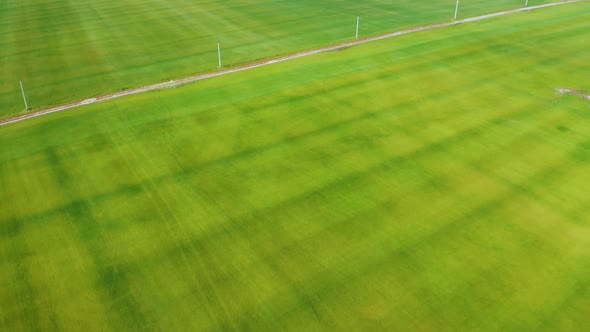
{"type": "Point", "coordinates": [67, 50]}
{"type": "Point", "coordinates": [431, 182]}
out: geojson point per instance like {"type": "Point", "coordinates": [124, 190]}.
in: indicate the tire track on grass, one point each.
{"type": "Point", "coordinates": [252, 65]}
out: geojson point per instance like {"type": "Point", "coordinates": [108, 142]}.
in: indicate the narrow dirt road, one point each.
{"type": "Point", "coordinates": [270, 61]}
{"type": "Point", "coordinates": [574, 92]}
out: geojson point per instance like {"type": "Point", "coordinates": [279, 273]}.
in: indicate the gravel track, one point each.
{"type": "Point", "coordinates": [574, 92]}
{"type": "Point", "coordinates": [270, 61]}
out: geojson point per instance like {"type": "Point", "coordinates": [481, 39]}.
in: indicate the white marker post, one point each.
{"type": "Point", "coordinates": [24, 97]}
{"type": "Point", "coordinates": [358, 21]}
{"type": "Point", "coordinates": [219, 54]}
{"type": "Point", "coordinates": [456, 10]}
{"type": "Point", "coordinates": [526, 4]}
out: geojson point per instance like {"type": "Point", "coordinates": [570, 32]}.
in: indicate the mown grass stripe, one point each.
{"type": "Point", "coordinates": [112, 280]}
{"type": "Point", "coordinates": [135, 188]}
{"type": "Point", "coordinates": [388, 164]}
{"type": "Point", "coordinates": [367, 189]}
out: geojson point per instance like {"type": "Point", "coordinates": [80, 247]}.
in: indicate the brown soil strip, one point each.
{"type": "Point", "coordinates": [574, 92]}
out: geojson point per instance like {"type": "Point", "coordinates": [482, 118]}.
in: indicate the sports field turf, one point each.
{"type": "Point", "coordinates": [431, 182]}
{"type": "Point", "coordinates": [67, 50]}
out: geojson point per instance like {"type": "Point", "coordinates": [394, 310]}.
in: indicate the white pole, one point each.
{"type": "Point", "coordinates": [219, 54]}
{"type": "Point", "coordinates": [358, 20]}
{"type": "Point", "coordinates": [456, 10]}
{"type": "Point", "coordinates": [526, 4]}
{"type": "Point", "coordinates": [23, 91]}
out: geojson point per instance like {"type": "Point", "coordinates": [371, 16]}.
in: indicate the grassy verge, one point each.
{"type": "Point", "coordinates": [69, 50]}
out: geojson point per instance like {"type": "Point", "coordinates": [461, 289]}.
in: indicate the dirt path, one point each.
{"type": "Point", "coordinates": [252, 65]}
{"type": "Point", "coordinates": [574, 92]}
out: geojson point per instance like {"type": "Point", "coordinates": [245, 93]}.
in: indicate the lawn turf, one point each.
{"type": "Point", "coordinates": [67, 50]}
{"type": "Point", "coordinates": [431, 182]}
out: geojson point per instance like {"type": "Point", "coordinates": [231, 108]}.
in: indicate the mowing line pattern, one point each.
{"type": "Point", "coordinates": [407, 184]}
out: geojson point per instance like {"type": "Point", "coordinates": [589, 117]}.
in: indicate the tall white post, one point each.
{"type": "Point", "coordinates": [219, 54]}
{"type": "Point", "coordinates": [526, 4]}
{"type": "Point", "coordinates": [456, 10]}
{"type": "Point", "coordinates": [358, 20]}
{"type": "Point", "coordinates": [23, 91]}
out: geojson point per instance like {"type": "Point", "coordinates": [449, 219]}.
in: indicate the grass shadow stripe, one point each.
{"type": "Point", "coordinates": [112, 280]}
{"type": "Point", "coordinates": [135, 188]}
